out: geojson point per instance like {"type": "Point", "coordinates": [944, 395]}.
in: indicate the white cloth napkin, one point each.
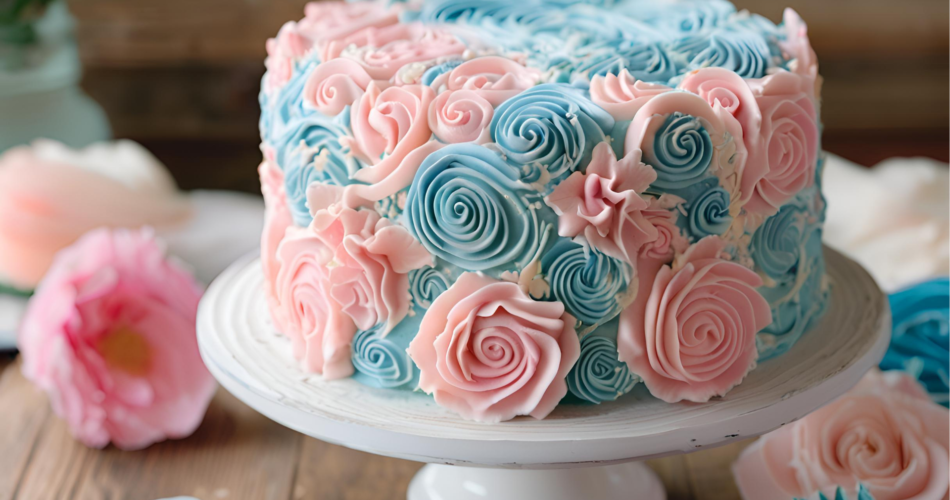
{"type": "Point", "coordinates": [226, 225]}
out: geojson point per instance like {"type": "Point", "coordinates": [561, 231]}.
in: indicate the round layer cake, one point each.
{"type": "Point", "coordinates": [512, 205]}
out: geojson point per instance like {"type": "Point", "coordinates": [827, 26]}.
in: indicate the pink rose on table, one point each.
{"type": "Point", "coordinates": [786, 154]}
{"type": "Point", "coordinates": [690, 333]}
{"type": "Point", "coordinates": [885, 435]}
{"type": "Point", "coordinates": [50, 195]}
{"type": "Point", "coordinates": [495, 79]}
{"type": "Point", "coordinates": [369, 274]}
{"type": "Point", "coordinates": [490, 353]}
{"type": "Point", "coordinates": [460, 116]}
{"type": "Point", "coordinates": [277, 220]}
{"type": "Point", "coordinates": [604, 204]}
{"type": "Point", "coordinates": [110, 336]}
{"type": "Point", "coordinates": [623, 95]}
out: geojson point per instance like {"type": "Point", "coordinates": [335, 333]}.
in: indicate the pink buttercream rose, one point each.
{"type": "Point", "coordinates": [289, 45]}
{"type": "Point", "coordinates": [489, 352]}
{"type": "Point", "coordinates": [110, 336]}
{"type": "Point", "coordinates": [623, 95]}
{"type": "Point", "coordinates": [319, 331]}
{"type": "Point", "coordinates": [330, 24]}
{"type": "Point", "coordinates": [383, 52]}
{"type": "Point", "coordinates": [460, 116]}
{"type": "Point", "coordinates": [391, 134]}
{"type": "Point", "coordinates": [783, 160]}
{"type": "Point", "coordinates": [604, 204]}
{"type": "Point", "coordinates": [885, 434]}
{"type": "Point", "coordinates": [797, 48]}
{"type": "Point", "coordinates": [670, 241]}
{"type": "Point", "coordinates": [50, 195]}
{"type": "Point", "coordinates": [335, 84]}
{"type": "Point", "coordinates": [277, 220]}
{"type": "Point", "coordinates": [495, 79]}
{"type": "Point", "coordinates": [690, 333]}
{"type": "Point", "coordinates": [369, 272]}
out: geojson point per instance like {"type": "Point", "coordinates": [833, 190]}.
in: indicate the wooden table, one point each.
{"type": "Point", "coordinates": [238, 454]}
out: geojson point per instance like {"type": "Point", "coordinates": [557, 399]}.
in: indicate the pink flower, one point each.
{"type": "Point", "coordinates": [670, 241]}
{"type": "Point", "coordinates": [797, 47]}
{"type": "Point", "coordinates": [495, 79]}
{"type": "Point", "coordinates": [335, 84]}
{"type": "Point", "coordinates": [786, 155]}
{"type": "Point", "coordinates": [385, 51]}
{"type": "Point", "coordinates": [369, 274]}
{"type": "Point", "coordinates": [319, 330]}
{"type": "Point", "coordinates": [690, 333]}
{"type": "Point", "coordinates": [277, 220]}
{"type": "Point", "coordinates": [51, 195]}
{"type": "Point", "coordinates": [110, 336]}
{"type": "Point", "coordinates": [885, 434]}
{"type": "Point", "coordinates": [604, 204]}
{"type": "Point", "coordinates": [282, 51]}
{"type": "Point", "coordinates": [489, 352]}
{"type": "Point", "coordinates": [623, 95]}
{"type": "Point", "coordinates": [391, 132]}
{"type": "Point", "coordinates": [330, 24]}
{"type": "Point", "coordinates": [460, 116]}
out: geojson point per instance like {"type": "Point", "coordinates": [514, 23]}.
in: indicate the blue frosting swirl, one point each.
{"type": "Point", "coordinates": [555, 126]}
{"type": "Point", "coordinates": [645, 61]}
{"type": "Point", "coordinates": [920, 343]}
{"type": "Point", "coordinates": [682, 17]}
{"type": "Point", "coordinates": [468, 207]}
{"type": "Point", "coordinates": [777, 245]}
{"type": "Point", "coordinates": [588, 283]}
{"type": "Point", "coordinates": [708, 214]}
{"type": "Point", "coordinates": [598, 375]}
{"type": "Point", "coordinates": [438, 70]}
{"type": "Point", "coordinates": [313, 153]}
{"type": "Point", "coordinates": [280, 111]}
{"type": "Point", "coordinates": [426, 284]}
{"type": "Point", "coordinates": [745, 53]}
{"type": "Point", "coordinates": [681, 154]}
{"type": "Point", "coordinates": [382, 361]}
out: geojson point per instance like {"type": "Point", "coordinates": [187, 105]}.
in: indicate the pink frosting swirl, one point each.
{"type": "Point", "coordinates": [604, 204]}
{"type": "Point", "coordinates": [390, 132]}
{"type": "Point", "coordinates": [670, 240]}
{"type": "Point", "coordinates": [460, 116]}
{"type": "Point", "coordinates": [277, 220]}
{"type": "Point", "coordinates": [797, 47]}
{"type": "Point", "coordinates": [372, 257]}
{"type": "Point", "coordinates": [496, 79]}
{"type": "Point", "coordinates": [786, 155]}
{"type": "Point", "coordinates": [383, 52]}
{"type": "Point", "coordinates": [335, 84]}
{"type": "Point", "coordinates": [289, 45]}
{"type": "Point", "coordinates": [319, 330]}
{"type": "Point", "coordinates": [623, 95]}
{"type": "Point", "coordinates": [884, 434]}
{"type": "Point", "coordinates": [330, 24]}
{"type": "Point", "coordinates": [690, 333]}
{"type": "Point", "coordinates": [489, 352]}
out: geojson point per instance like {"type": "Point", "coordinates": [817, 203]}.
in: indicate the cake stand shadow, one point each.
{"type": "Point", "coordinates": [589, 452]}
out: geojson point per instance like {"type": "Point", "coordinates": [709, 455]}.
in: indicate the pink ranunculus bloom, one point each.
{"type": "Point", "coordinates": [785, 157]}
{"type": "Point", "coordinates": [623, 95]}
{"type": "Point", "coordinates": [277, 220]}
{"type": "Point", "coordinates": [50, 195]}
{"type": "Point", "coordinates": [372, 258]}
{"type": "Point", "coordinates": [460, 116]}
{"type": "Point", "coordinates": [335, 84]}
{"type": "Point", "coordinates": [885, 434]}
{"type": "Point", "coordinates": [289, 45]}
{"type": "Point", "coordinates": [494, 78]}
{"type": "Point", "coordinates": [690, 333]}
{"type": "Point", "coordinates": [489, 352]}
{"type": "Point", "coordinates": [604, 204]}
{"type": "Point", "coordinates": [110, 336]}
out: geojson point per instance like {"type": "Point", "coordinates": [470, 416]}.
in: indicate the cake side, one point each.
{"type": "Point", "coordinates": [504, 204]}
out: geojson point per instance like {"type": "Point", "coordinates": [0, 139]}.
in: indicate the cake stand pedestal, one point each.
{"type": "Point", "coordinates": [589, 452]}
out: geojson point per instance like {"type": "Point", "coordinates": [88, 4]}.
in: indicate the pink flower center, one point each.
{"type": "Point", "coordinates": [127, 350]}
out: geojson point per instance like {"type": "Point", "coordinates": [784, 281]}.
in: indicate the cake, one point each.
{"type": "Point", "coordinates": [514, 205]}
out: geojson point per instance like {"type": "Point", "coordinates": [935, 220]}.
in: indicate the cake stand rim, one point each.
{"type": "Point", "coordinates": [555, 451]}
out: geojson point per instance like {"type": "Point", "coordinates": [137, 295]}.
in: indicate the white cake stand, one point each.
{"type": "Point", "coordinates": [578, 451]}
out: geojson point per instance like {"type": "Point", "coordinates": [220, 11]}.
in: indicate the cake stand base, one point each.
{"type": "Point", "coordinates": [629, 481]}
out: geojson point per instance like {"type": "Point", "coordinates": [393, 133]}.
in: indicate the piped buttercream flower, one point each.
{"type": "Point", "coordinates": [277, 220]}
{"type": "Point", "coordinates": [670, 241]}
{"type": "Point", "coordinates": [622, 95]}
{"type": "Point", "coordinates": [690, 334]}
{"type": "Point", "coordinates": [332, 25]}
{"type": "Point", "coordinates": [604, 204]}
{"type": "Point", "coordinates": [598, 375]}
{"type": "Point", "coordinates": [490, 353]}
{"type": "Point", "coordinates": [282, 51]}
{"type": "Point", "coordinates": [385, 51]}
{"type": "Point", "coordinates": [495, 79]}
{"type": "Point", "coordinates": [110, 337]}
{"type": "Point", "coordinates": [335, 84]}
{"type": "Point", "coordinates": [460, 116]}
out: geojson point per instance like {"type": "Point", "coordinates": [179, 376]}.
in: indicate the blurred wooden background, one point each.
{"type": "Point", "coordinates": [182, 76]}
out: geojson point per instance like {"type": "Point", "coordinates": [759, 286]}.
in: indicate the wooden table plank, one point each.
{"type": "Point", "coordinates": [328, 472]}
{"type": "Point", "coordinates": [24, 412]}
